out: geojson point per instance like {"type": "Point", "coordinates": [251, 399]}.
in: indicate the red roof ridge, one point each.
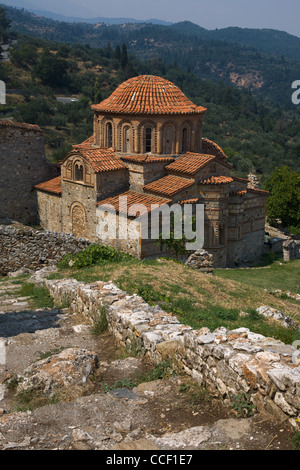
{"type": "Point", "coordinates": [218, 179]}
{"type": "Point", "coordinates": [20, 125]}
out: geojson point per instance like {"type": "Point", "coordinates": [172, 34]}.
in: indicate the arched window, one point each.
{"type": "Point", "coordinates": [126, 139]}
{"type": "Point", "coordinates": [78, 172]}
{"type": "Point", "coordinates": [184, 141]}
{"type": "Point", "coordinates": [148, 139]}
{"type": "Point", "coordinates": [109, 135]}
{"type": "Point", "coordinates": [168, 140]}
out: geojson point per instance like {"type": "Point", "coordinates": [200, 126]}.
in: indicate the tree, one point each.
{"type": "Point", "coordinates": [124, 56]}
{"type": "Point", "coordinates": [52, 70]}
{"type": "Point", "coordinates": [284, 200]}
{"type": "Point", "coordinates": [4, 24]}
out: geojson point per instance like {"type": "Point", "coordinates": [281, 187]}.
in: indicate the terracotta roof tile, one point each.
{"type": "Point", "coordinates": [148, 94]}
{"type": "Point", "coordinates": [88, 143]}
{"type": "Point", "coordinates": [258, 191]}
{"type": "Point", "coordinates": [169, 185]}
{"type": "Point", "coordinates": [146, 159]}
{"type": "Point", "coordinates": [189, 163]}
{"type": "Point", "coordinates": [216, 180]}
{"type": "Point", "coordinates": [133, 198]}
{"type": "Point", "coordinates": [50, 186]}
{"type": "Point", "coordinates": [20, 125]}
{"type": "Point", "coordinates": [211, 148]}
{"type": "Point", "coordinates": [100, 159]}
{"type": "Point", "coordinates": [189, 201]}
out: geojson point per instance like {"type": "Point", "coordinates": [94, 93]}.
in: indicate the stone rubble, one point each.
{"type": "Point", "coordinates": [228, 362]}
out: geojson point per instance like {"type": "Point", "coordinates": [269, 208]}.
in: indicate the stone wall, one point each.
{"type": "Point", "coordinates": [23, 164]}
{"type": "Point", "coordinates": [25, 247]}
{"type": "Point", "coordinates": [229, 363]}
{"type": "Point", "coordinates": [291, 249]}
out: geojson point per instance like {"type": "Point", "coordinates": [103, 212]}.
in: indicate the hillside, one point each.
{"type": "Point", "coordinates": [264, 61]}
{"type": "Point", "coordinates": [254, 134]}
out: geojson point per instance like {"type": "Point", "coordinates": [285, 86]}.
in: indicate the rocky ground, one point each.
{"type": "Point", "coordinates": [63, 387]}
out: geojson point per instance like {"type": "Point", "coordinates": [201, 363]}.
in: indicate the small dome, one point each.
{"type": "Point", "coordinates": [148, 94]}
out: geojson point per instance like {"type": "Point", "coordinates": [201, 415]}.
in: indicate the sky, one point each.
{"type": "Point", "coordinates": [211, 14]}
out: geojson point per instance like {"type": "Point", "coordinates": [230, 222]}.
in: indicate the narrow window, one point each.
{"type": "Point", "coordinates": [126, 139]}
{"type": "Point", "coordinates": [184, 145]}
{"type": "Point", "coordinates": [148, 136]}
{"type": "Point", "coordinates": [108, 135]}
{"type": "Point", "coordinates": [78, 172]}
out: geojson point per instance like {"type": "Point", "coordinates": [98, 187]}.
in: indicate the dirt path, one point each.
{"type": "Point", "coordinates": [115, 408]}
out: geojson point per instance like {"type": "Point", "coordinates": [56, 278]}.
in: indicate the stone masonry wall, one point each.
{"type": "Point", "coordinates": [23, 164]}
{"type": "Point", "coordinates": [25, 247]}
{"type": "Point", "coordinates": [229, 363]}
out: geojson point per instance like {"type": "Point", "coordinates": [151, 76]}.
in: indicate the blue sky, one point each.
{"type": "Point", "coordinates": [277, 14]}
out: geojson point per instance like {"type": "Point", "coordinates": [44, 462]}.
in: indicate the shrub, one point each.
{"type": "Point", "coordinates": [94, 254]}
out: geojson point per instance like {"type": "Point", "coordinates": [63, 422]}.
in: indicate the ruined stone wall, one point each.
{"type": "Point", "coordinates": [23, 164]}
{"type": "Point", "coordinates": [49, 211]}
{"type": "Point", "coordinates": [228, 362]}
{"type": "Point", "coordinates": [26, 247]}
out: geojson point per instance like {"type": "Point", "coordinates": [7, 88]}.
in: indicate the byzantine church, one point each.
{"type": "Point", "coordinates": [148, 145]}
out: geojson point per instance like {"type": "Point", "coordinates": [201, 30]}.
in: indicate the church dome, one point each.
{"type": "Point", "coordinates": [148, 94]}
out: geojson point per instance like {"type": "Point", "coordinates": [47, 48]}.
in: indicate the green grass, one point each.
{"type": "Point", "coordinates": [279, 275]}
{"type": "Point", "coordinates": [39, 296]}
{"type": "Point", "coordinates": [199, 300]}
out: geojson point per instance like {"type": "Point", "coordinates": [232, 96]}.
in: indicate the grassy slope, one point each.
{"type": "Point", "coordinates": [201, 300]}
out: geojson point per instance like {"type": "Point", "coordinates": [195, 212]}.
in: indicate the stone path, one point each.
{"type": "Point", "coordinates": [154, 415]}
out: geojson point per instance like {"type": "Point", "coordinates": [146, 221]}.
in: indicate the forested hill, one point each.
{"type": "Point", "coordinates": [255, 134]}
{"type": "Point", "coordinates": [266, 62]}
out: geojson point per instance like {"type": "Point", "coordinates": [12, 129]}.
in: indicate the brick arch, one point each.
{"type": "Point", "coordinates": [147, 124]}
{"type": "Point", "coordinates": [169, 133]}
{"type": "Point", "coordinates": [78, 220]}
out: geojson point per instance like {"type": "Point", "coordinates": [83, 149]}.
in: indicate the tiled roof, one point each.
{"type": "Point", "coordinates": [242, 180]}
{"type": "Point", "coordinates": [238, 192]}
{"type": "Point", "coordinates": [20, 125]}
{"type": "Point", "coordinates": [148, 94]}
{"type": "Point", "coordinates": [258, 191]}
{"type": "Point", "coordinates": [189, 201]}
{"type": "Point", "coordinates": [86, 144]}
{"type": "Point", "coordinates": [211, 148]}
{"type": "Point", "coordinates": [190, 163]}
{"type": "Point", "coordinates": [216, 180]}
{"type": "Point", "coordinates": [100, 159]}
{"type": "Point", "coordinates": [146, 159]}
{"type": "Point", "coordinates": [169, 185]}
{"type": "Point", "coordinates": [133, 198]}
{"type": "Point", "coordinates": [50, 186]}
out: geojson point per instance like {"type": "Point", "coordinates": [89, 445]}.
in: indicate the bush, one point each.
{"type": "Point", "coordinates": [94, 254]}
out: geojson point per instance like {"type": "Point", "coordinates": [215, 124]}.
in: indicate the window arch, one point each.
{"type": "Point", "coordinates": [78, 171]}
{"type": "Point", "coordinates": [148, 139]}
{"type": "Point", "coordinates": [168, 139]}
{"type": "Point", "coordinates": [109, 131]}
{"type": "Point", "coordinates": [126, 139]}
{"type": "Point", "coordinates": [185, 140]}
